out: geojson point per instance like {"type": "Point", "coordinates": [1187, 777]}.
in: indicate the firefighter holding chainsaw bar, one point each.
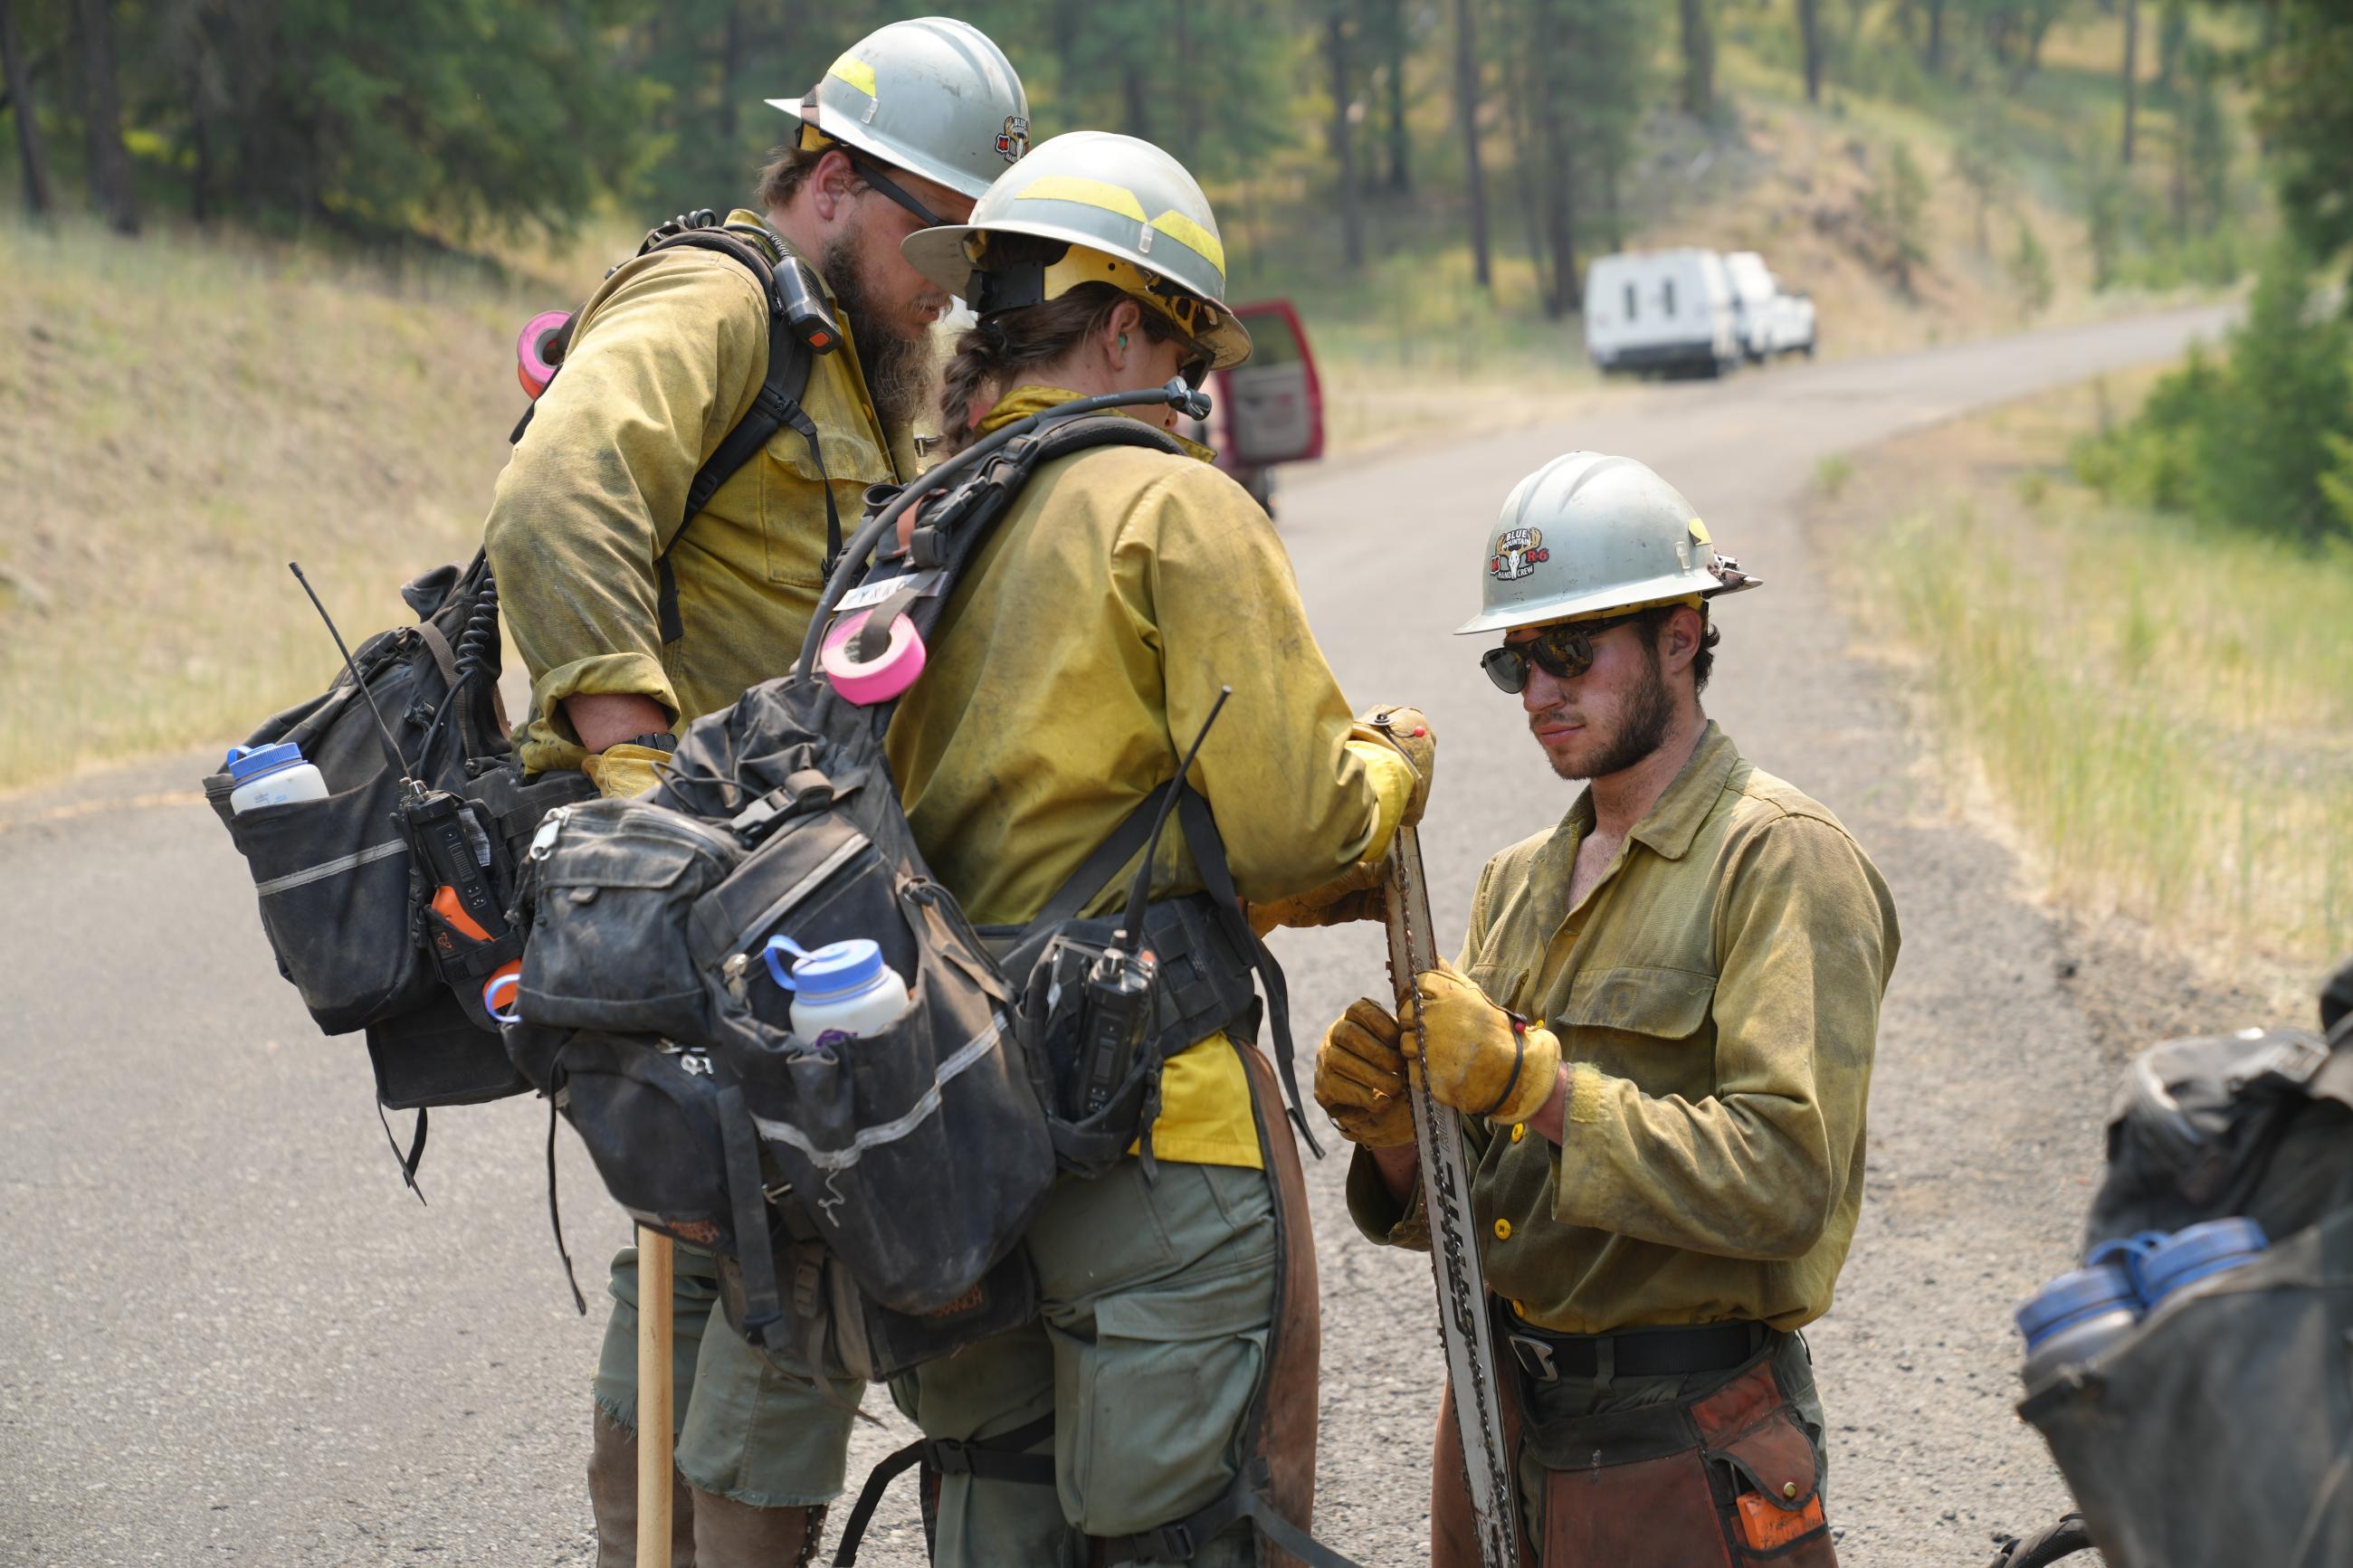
{"type": "Point", "coordinates": [1659, 1039]}
{"type": "Point", "coordinates": [1162, 1406]}
{"type": "Point", "coordinates": [633, 617]}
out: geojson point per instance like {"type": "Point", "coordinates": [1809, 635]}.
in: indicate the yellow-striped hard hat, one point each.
{"type": "Point", "coordinates": [1133, 217]}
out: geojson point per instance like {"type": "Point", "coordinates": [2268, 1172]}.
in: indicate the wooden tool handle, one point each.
{"type": "Point", "coordinates": [654, 1423]}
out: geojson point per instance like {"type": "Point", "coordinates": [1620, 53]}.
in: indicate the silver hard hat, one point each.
{"type": "Point", "coordinates": [932, 96]}
{"type": "Point", "coordinates": [1134, 218]}
{"type": "Point", "coordinates": [1589, 535]}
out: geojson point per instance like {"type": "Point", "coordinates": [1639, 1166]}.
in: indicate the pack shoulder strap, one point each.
{"type": "Point", "coordinates": [777, 405]}
{"type": "Point", "coordinates": [955, 523]}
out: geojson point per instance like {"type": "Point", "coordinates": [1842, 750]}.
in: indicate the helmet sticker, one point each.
{"type": "Point", "coordinates": [1014, 139]}
{"type": "Point", "coordinates": [1518, 551]}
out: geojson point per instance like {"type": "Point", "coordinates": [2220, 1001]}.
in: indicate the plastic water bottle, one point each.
{"type": "Point", "coordinates": [2192, 1254]}
{"type": "Point", "coordinates": [272, 775]}
{"type": "Point", "coordinates": [841, 991]}
{"type": "Point", "coordinates": [2074, 1317]}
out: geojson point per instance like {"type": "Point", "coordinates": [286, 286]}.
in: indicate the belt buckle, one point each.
{"type": "Point", "coordinates": [1534, 1357]}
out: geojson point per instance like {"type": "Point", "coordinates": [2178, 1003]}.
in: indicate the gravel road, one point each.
{"type": "Point", "coordinates": [233, 1337]}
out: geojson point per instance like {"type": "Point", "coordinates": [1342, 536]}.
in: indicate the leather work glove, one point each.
{"type": "Point", "coordinates": [1479, 1058]}
{"type": "Point", "coordinates": [1356, 894]}
{"type": "Point", "coordinates": [1360, 1078]}
{"type": "Point", "coordinates": [625, 769]}
{"type": "Point", "coordinates": [1408, 732]}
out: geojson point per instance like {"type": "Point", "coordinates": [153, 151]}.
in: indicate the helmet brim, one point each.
{"type": "Point", "coordinates": [939, 254]}
{"type": "Point", "coordinates": [1617, 596]}
{"type": "Point", "coordinates": [849, 133]}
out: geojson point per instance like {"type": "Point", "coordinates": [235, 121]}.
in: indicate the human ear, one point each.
{"type": "Point", "coordinates": [831, 184]}
{"type": "Point", "coordinates": [1121, 329]}
{"type": "Point", "coordinates": [1680, 635]}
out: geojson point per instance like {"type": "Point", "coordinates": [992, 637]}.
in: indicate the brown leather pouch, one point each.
{"type": "Point", "coordinates": [1723, 1482]}
{"type": "Point", "coordinates": [1763, 1465]}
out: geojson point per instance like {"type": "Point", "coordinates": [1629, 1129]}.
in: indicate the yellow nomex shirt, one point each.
{"type": "Point", "coordinates": [1716, 997]}
{"type": "Point", "coordinates": [665, 360]}
{"type": "Point", "coordinates": [1082, 647]}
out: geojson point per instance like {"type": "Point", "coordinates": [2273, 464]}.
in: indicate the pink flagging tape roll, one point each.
{"type": "Point", "coordinates": [885, 678]}
{"type": "Point", "coordinates": [531, 365]}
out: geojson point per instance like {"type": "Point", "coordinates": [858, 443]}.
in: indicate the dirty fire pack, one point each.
{"type": "Point", "coordinates": [868, 1197]}
{"type": "Point", "coordinates": [2220, 1428]}
{"type": "Point", "coordinates": [385, 904]}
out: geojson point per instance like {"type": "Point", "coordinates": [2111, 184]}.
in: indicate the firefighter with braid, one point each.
{"type": "Point", "coordinates": [1162, 1406]}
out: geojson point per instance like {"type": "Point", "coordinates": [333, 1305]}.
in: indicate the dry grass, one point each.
{"type": "Point", "coordinates": [2163, 714]}
{"type": "Point", "coordinates": [185, 415]}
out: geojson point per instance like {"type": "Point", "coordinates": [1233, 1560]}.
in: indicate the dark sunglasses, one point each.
{"type": "Point", "coordinates": [894, 190]}
{"type": "Point", "coordinates": [1195, 368]}
{"type": "Point", "coordinates": [1562, 652]}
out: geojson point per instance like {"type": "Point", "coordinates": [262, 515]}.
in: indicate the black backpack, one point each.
{"type": "Point", "coordinates": [917, 1158]}
{"type": "Point", "coordinates": [2221, 1428]}
{"type": "Point", "coordinates": [384, 903]}
{"type": "Point", "coordinates": [353, 888]}
{"type": "Point", "coordinates": [868, 1199]}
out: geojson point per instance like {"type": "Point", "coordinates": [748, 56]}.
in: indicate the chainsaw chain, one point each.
{"type": "Point", "coordinates": [1454, 1256]}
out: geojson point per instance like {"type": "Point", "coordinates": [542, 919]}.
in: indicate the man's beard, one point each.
{"type": "Point", "coordinates": [1649, 713]}
{"type": "Point", "coordinates": [898, 369]}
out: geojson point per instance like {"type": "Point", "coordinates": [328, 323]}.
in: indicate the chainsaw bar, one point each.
{"type": "Point", "coordinates": [1453, 1243]}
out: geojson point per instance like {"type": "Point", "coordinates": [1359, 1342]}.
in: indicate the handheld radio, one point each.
{"type": "Point", "coordinates": [453, 850]}
{"type": "Point", "coordinates": [1118, 999]}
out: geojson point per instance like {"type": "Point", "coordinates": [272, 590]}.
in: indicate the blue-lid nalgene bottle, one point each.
{"type": "Point", "coordinates": [2073, 1318]}
{"type": "Point", "coordinates": [2192, 1254]}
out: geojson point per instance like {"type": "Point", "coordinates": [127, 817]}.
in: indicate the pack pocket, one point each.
{"type": "Point", "coordinates": [649, 1112]}
{"type": "Point", "coordinates": [611, 887]}
{"type": "Point", "coordinates": [2236, 1392]}
{"type": "Point", "coordinates": [919, 1151]}
{"type": "Point", "coordinates": [817, 880]}
{"type": "Point", "coordinates": [333, 876]}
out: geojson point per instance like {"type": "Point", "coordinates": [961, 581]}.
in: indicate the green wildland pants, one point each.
{"type": "Point", "coordinates": [745, 1430]}
{"type": "Point", "coordinates": [1158, 1303]}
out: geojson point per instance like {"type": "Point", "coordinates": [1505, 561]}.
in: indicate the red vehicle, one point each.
{"type": "Point", "coordinates": [1271, 409]}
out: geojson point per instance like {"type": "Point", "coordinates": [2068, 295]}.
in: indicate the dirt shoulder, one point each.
{"type": "Point", "coordinates": [2133, 979]}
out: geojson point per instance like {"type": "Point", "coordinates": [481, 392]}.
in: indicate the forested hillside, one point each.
{"type": "Point", "coordinates": [267, 256]}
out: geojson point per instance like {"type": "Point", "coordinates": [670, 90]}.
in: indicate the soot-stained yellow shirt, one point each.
{"type": "Point", "coordinates": [665, 359]}
{"type": "Point", "coordinates": [1080, 654]}
{"type": "Point", "coordinates": [1716, 996]}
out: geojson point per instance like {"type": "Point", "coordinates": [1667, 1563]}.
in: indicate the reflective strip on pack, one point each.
{"type": "Point", "coordinates": [897, 1127]}
{"type": "Point", "coordinates": [334, 868]}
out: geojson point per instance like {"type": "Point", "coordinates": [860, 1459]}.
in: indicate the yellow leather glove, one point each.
{"type": "Point", "coordinates": [1408, 732]}
{"type": "Point", "coordinates": [1360, 1078]}
{"type": "Point", "coordinates": [1478, 1057]}
{"type": "Point", "coordinates": [625, 769]}
{"type": "Point", "coordinates": [1356, 894]}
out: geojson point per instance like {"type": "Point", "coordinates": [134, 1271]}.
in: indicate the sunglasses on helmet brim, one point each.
{"type": "Point", "coordinates": [1562, 652]}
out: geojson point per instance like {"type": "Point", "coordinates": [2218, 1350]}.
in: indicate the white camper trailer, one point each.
{"type": "Point", "coordinates": [1661, 311]}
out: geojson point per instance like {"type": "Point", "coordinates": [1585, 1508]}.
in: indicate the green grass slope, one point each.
{"type": "Point", "coordinates": [185, 415]}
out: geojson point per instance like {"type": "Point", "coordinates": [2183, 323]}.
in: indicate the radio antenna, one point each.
{"type": "Point", "coordinates": [391, 747]}
{"type": "Point", "coordinates": [1130, 925]}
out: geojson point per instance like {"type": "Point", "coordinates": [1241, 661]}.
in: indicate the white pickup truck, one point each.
{"type": "Point", "coordinates": [1773, 318]}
